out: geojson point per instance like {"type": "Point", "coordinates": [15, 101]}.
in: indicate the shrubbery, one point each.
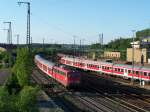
{"type": "Point", "coordinates": [17, 95]}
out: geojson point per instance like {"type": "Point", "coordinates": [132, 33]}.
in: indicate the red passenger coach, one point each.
{"type": "Point", "coordinates": [123, 70]}
{"type": "Point", "coordinates": [63, 75]}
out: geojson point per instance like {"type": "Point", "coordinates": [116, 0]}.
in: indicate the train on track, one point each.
{"type": "Point", "coordinates": [127, 71]}
{"type": "Point", "coordinates": [64, 75]}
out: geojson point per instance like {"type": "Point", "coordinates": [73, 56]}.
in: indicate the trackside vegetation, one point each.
{"type": "Point", "coordinates": [17, 94]}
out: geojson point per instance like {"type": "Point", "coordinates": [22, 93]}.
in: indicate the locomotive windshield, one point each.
{"type": "Point", "coordinates": [73, 74]}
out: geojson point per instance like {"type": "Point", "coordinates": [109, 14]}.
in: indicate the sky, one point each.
{"type": "Point", "coordinates": [59, 21]}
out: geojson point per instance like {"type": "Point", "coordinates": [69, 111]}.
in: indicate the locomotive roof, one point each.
{"type": "Point", "coordinates": [46, 62]}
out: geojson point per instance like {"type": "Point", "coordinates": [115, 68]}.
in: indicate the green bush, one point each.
{"type": "Point", "coordinates": [27, 100]}
{"type": "Point", "coordinates": [23, 66]}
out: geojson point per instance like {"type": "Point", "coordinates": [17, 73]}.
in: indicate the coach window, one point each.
{"type": "Point", "coordinates": [63, 73]}
{"type": "Point", "coordinates": [55, 70]}
{"type": "Point", "coordinates": [129, 71]}
{"type": "Point", "coordinates": [115, 69]}
{"type": "Point", "coordinates": [60, 72]}
{"type": "Point", "coordinates": [121, 70]}
{"type": "Point", "coordinates": [149, 74]}
{"type": "Point", "coordinates": [141, 73]}
{"type": "Point", "coordinates": [102, 67]}
{"type": "Point", "coordinates": [145, 73]}
{"type": "Point", "coordinates": [107, 68]}
{"type": "Point", "coordinates": [137, 72]}
{"type": "Point", "coordinates": [49, 69]}
{"type": "Point", "coordinates": [125, 70]}
{"type": "Point", "coordinates": [110, 68]}
{"type": "Point", "coordinates": [133, 72]}
{"type": "Point", "coordinates": [118, 69]}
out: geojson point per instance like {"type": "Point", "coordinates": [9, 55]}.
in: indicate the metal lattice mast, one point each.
{"type": "Point", "coordinates": [9, 41]}
{"type": "Point", "coordinates": [9, 35]}
{"type": "Point", "coordinates": [28, 40]}
{"type": "Point", "coordinates": [132, 80]}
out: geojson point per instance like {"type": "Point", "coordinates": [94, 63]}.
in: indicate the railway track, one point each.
{"type": "Point", "coordinates": [133, 92]}
{"type": "Point", "coordinates": [45, 82]}
{"type": "Point", "coordinates": [127, 99]}
{"type": "Point", "coordinates": [97, 102]}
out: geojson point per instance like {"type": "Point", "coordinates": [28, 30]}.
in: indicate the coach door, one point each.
{"type": "Point", "coordinates": [125, 72]}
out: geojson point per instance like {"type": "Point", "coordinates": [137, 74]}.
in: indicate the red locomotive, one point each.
{"type": "Point", "coordinates": [136, 72]}
{"type": "Point", "coordinates": [63, 75]}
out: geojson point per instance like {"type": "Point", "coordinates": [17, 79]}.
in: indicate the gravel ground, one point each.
{"type": "Point", "coordinates": [4, 73]}
{"type": "Point", "coordinates": [46, 104]}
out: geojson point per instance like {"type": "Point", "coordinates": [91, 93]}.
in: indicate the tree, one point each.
{"type": "Point", "coordinates": [142, 33]}
{"type": "Point", "coordinates": [27, 100]}
{"type": "Point", "coordinates": [6, 101]}
{"type": "Point", "coordinates": [23, 66]}
{"type": "Point", "coordinates": [95, 46]}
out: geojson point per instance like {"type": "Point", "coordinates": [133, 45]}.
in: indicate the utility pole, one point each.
{"type": "Point", "coordinates": [9, 36]}
{"type": "Point", "coordinates": [101, 41]}
{"type": "Point", "coordinates": [28, 40]}
{"type": "Point", "coordinates": [74, 40]}
{"type": "Point", "coordinates": [83, 46]}
{"type": "Point", "coordinates": [43, 44]}
{"type": "Point", "coordinates": [17, 35]}
{"type": "Point", "coordinates": [31, 40]}
{"type": "Point", "coordinates": [74, 53]}
{"type": "Point", "coordinates": [132, 80]}
{"type": "Point", "coordinates": [80, 47]}
{"type": "Point", "coordinates": [9, 42]}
